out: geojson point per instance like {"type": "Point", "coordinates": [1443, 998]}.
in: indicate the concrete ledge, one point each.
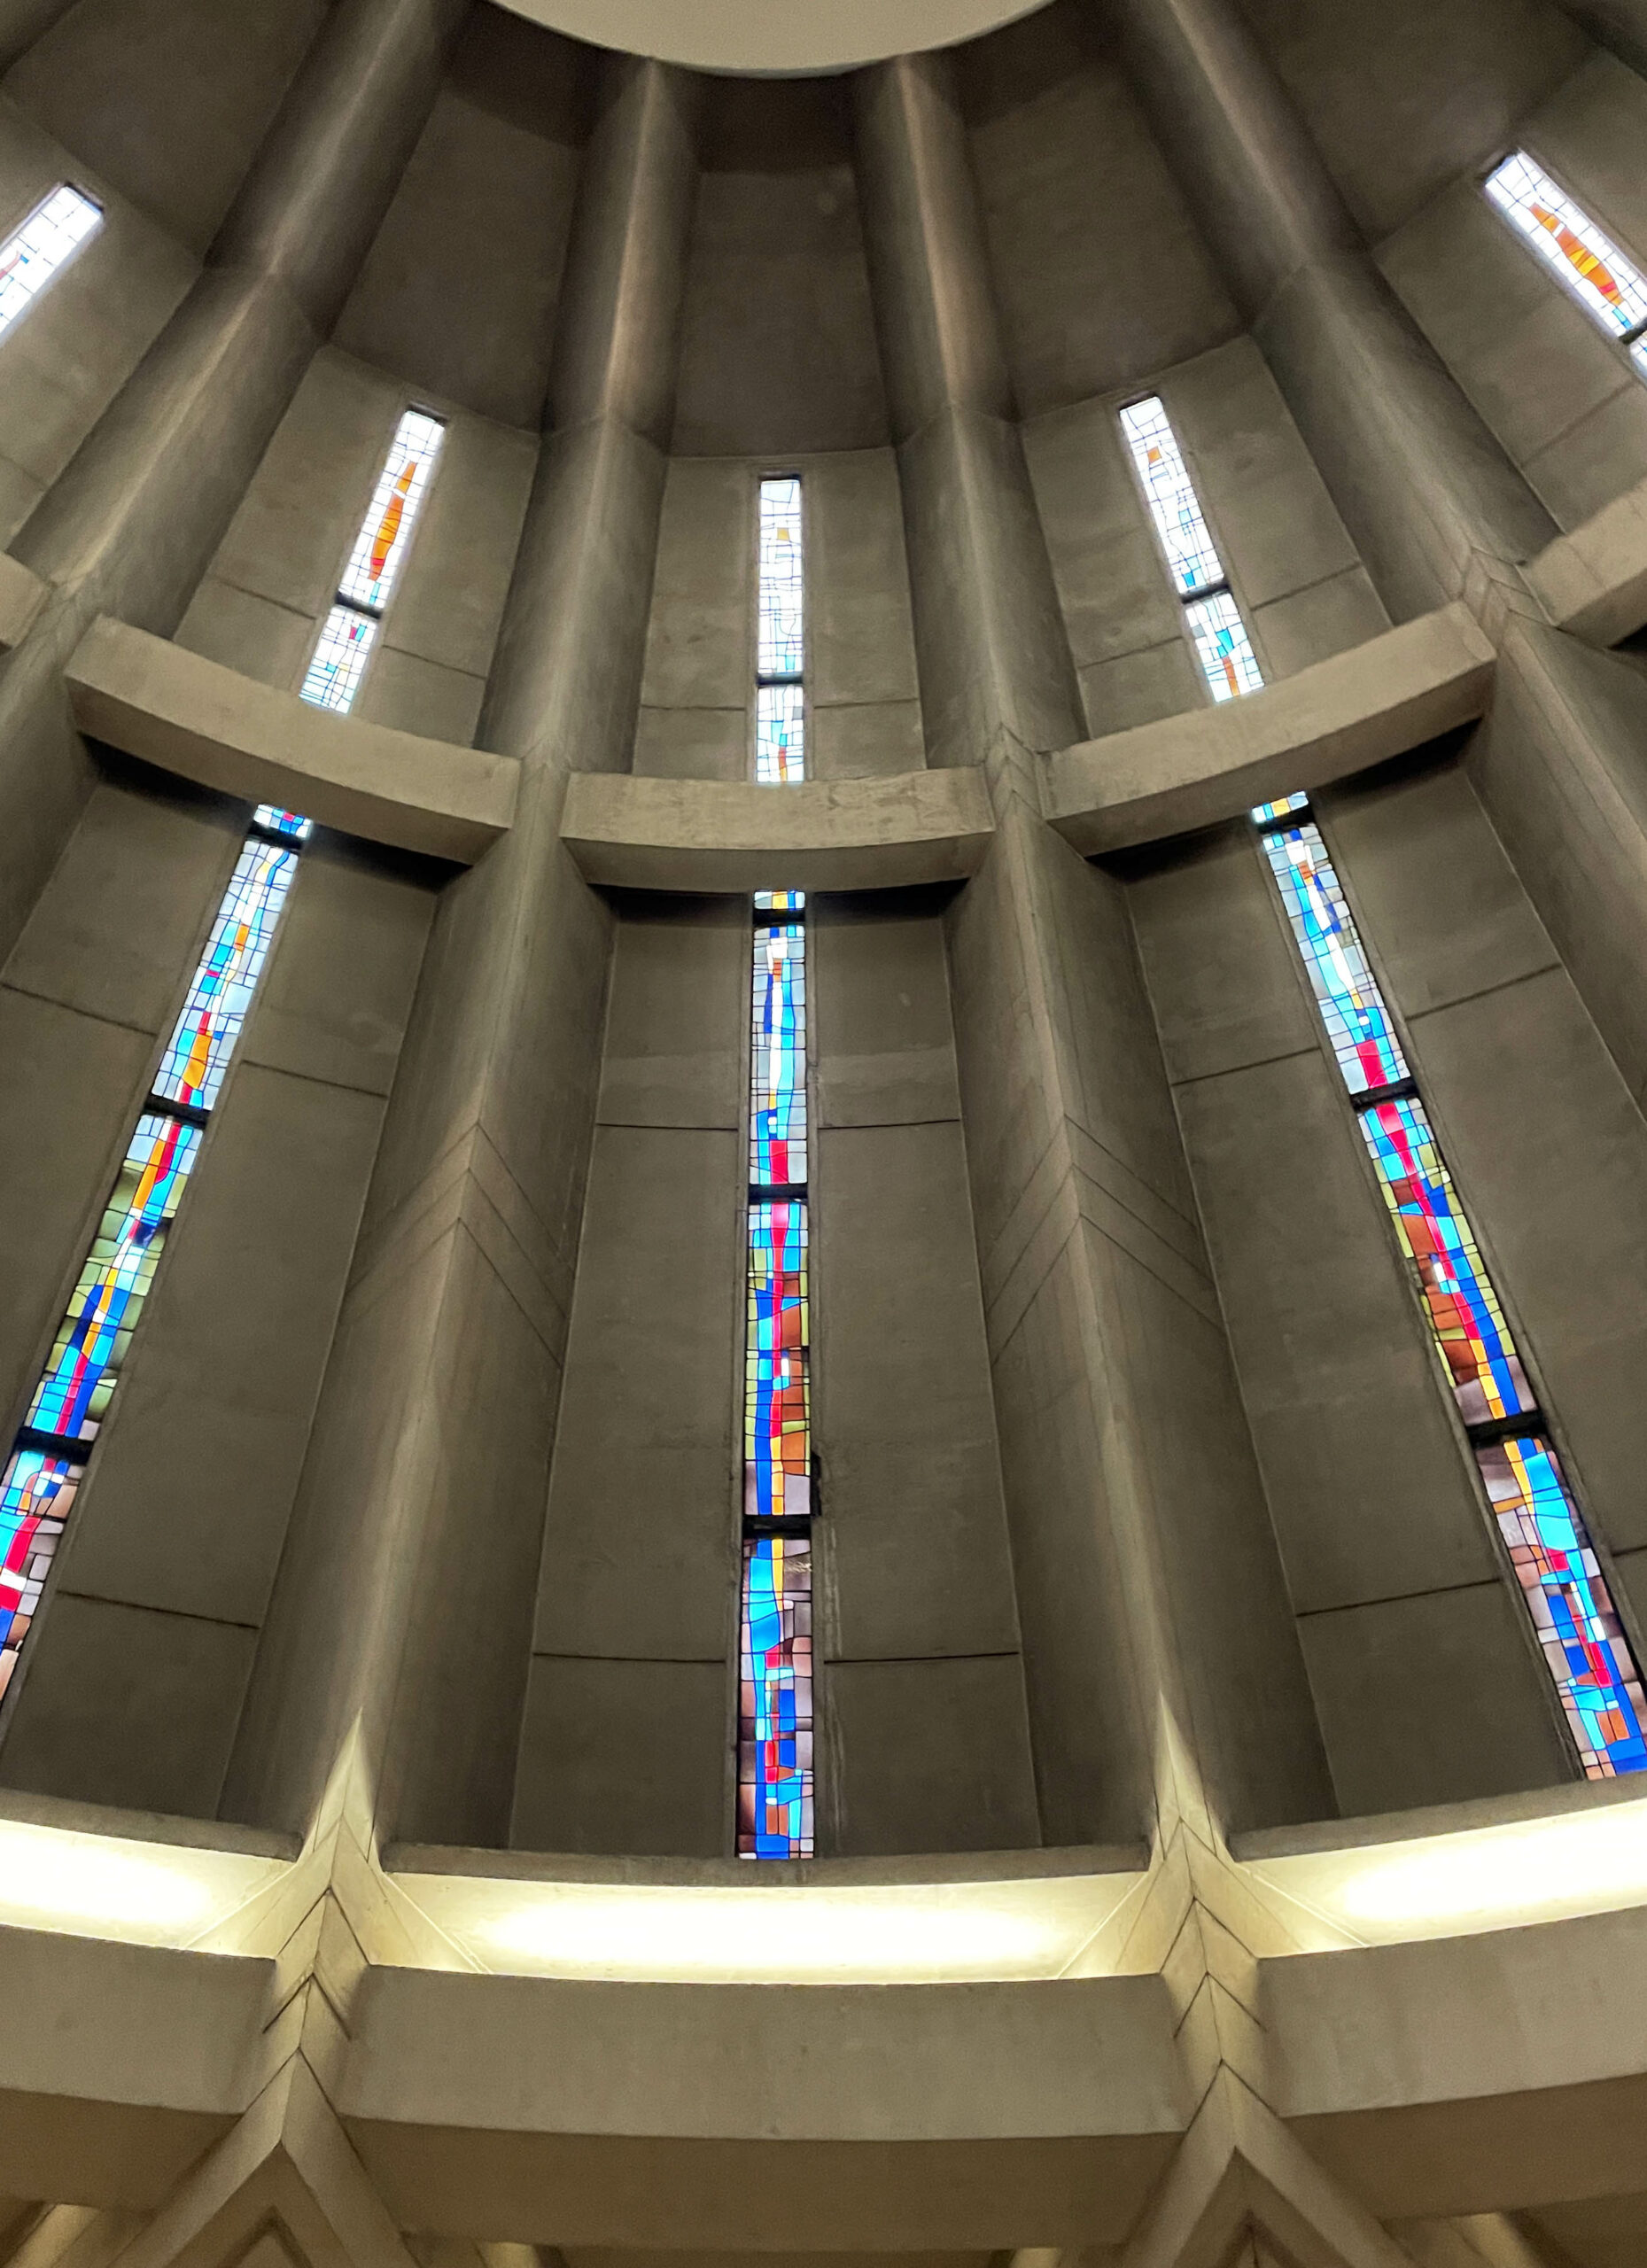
{"type": "Point", "coordinates": [22, 594]}
{"type": "Point", "coordinates": [1594, 580]}
{"type": "Point", "coordinates": [711, 835]}
{"type": "Point", "coordinates": [1376, 701]}
{"type": "Point", "coordinates": [187, 715]}
{"type": "Point", "coordinates": [912, 2118]}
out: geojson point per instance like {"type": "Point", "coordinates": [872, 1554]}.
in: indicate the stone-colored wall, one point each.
{"type": "Point", "coordinates": [1290, 561]}
{"type": "Point", "coordinates": [696, 717]}
{"type": "Point", "coordinates": [259, 607]}
{"type": "Point", "coordinates": [1562, 398]}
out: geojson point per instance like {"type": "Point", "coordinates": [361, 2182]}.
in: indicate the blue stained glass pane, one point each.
{"type": "Point", "coordinates": [198, 1055]}
{"type": "Point", "coordinates": [1264, 813]}
{"type": "Point", "coordinates": [775, 1700]}
{"type": "Point", "coordinates": [780, 901]}
{"type": "Point", "coordinates": [1225, 650]}
{"type": "Point", "coordinates": [1352, 1006]}
{"type": "Point", "coordinates": [36, 1495]}
{"type": "Point", "coordinates": [778, 1059]}
{"type": "Point", "coordinates": [778, 1447]}
{"type": "Point", "coordinates": [91, 1342]}
{"type": "Point", "coordinates": [1468, 1324]}
{"type": "Point", "coordinates": [279, 822]}
{"type": "Point", "coordinates": [779, 734]}
{"type": "Point", "coordinates": [1566, 1595]}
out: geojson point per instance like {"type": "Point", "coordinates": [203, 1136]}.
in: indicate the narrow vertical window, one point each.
{"type": "Point", "coordinates": [779, 702]}
{"type": "Point", "coordinates": [350, 629]}
{"type": "Point", "coordinates": [1551, 1558]}
{"type": "Point", "coordinates": [32, 255]}
{"type": "Point", "coordinates": [1588, 262]}
{"type": "Point", "coordinates": [775, 1782]}
{"type": "Point", "coordinates": [68, 1407]}
{"type": "Point", "coordinates": [1210, 614]}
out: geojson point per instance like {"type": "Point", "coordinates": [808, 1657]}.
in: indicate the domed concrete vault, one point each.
{"type": "Point", "coordinates": [824, 885]}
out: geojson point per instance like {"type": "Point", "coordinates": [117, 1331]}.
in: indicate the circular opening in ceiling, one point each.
{"type": "Point", "coordinates": [778, 36]}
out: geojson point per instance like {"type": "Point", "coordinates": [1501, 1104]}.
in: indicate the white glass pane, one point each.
{"type": "Point", "coordinates": [782, 593]}
{"type": "Point", "coordinates": [1225, 650]}
{"type": "Point", "coordinates": [779, 734]}
{"type": "Point", "coordinates": [1185, 537]}
{"type": "Point", "coordinates": [386, 531]}
{"type": "Point", "coordinates": [1588, 262]}
{"type": "Point", "coordinates": [339, 660]}
{"type": "Point", "coordinates": [32, 257]}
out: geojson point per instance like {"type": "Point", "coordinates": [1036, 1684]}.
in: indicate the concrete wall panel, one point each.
{"type": "Point", "coordinates": [778, 346]}
{"type": "Point", "coordinates": [1061, 153]}
{"type": "Point", "coordinates": [628, 1756]}
{"type": "Point", "coordinates": [930, 1755]}
{"type": "Point", "coordinates": [458, 291]}
{"type": "Point", "coordinates": [168, 99]}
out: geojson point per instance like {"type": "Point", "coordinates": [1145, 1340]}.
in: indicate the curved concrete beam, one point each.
{"type": "Point", "coordinates": [187, 715]}
{"type": "Point", "coordinates": [1593, 580]}
{"type": "Point", "coordinates": [1378, 700]}
{"type": "Point", "coordinates": [715, 836]}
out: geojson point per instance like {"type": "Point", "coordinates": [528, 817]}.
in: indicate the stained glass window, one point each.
{"type": "Point", "coordinates": [1471, 1334]}
{"type": "Point", "coordinates": [1588, 261]}
{"type": "Point", "coordinates": [1577, 1625]}
{"type": "Point", "coordinates": [777, 1433]}
{"type": "Point", "coordinates": [38, 1485]}
{"type": "Point", "coordinates": [1560, 1578]}
{"type": "Point", "coordinates": [783, 583]}
{"type": "Point", "coordinates": [339, 659]}
{"type": "Point", "coordinates": [350, 630]}
{"type": "Point", "coordinates": [1213, 619]}
{"type": "Point", "coordinates": [775, 1699]}
{"type": "Point", "coordinates": [1352, 1007]}
{"type": "Point", "coordinates": [32, 255]}
{"type": "Point", "coordinates": [777, 1058]}
{"type": "Point", "coordinates": [191, 1070]}
{"type": "Point", "coordinates": [775, 1668]}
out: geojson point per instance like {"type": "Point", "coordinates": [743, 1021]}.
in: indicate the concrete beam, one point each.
{"type": "Point", "coordinates": [729, 2116]}
{"type": "Point", "coordinates": [712, 835]}
{"type": "Point", "coordinates": [1377, 700]}
{"type": "Point", "coordinates": [1593, 580]}
{"type": "Point", "coordinates": [1470, 2074]}
{"type": "Point", "coordinates": [190, 716]}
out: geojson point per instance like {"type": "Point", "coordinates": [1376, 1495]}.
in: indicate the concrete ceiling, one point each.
{"type": "Point", "coordinates": [784, 36]}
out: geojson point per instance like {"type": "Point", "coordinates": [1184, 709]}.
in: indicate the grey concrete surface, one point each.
{"type": "Point", "coordinates": [185, 714]}
{"type": "Point", "coordinates": [497, 166]}
{"type": "Point", "coordinates": [1379, 699]}
{"type": "Point", "coordinates": [1541, 1133]}
{"type": "Point", "coordinates": [1059, 145]}
{"type": "Point", "coordinates": [477, 1199]}
{"type": "Point", "coordinates": [1089, 1252]}
{"type": "Point", "coordinates": [1421, 485]}
{"type": "Point", "coordinates": [778, 344]}
{"type": "Point", "coordinates": [126, 91]}
{"type": "Point", "coordinates": [128, 527]}
{"type": "Point", "coordinates": [1564, 400]}
{"type": "Point", "coordinates": [707, 835]}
